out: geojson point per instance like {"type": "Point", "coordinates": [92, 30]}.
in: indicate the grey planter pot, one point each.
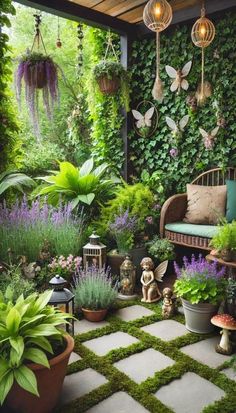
{"type": "Point", "coordinates": [198, 316]}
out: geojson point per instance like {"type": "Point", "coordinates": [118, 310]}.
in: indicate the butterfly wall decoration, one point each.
{"type": "Point", "coordinates": [177, 127]}
{"type": "Point", "coordinates": [209, 138]}
{"type": "Point", "coordinates": [179, 77]}
{"type": "Point", "coordinates": [145, 124]}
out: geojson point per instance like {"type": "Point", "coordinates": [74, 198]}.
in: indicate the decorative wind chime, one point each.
{"type": "Point", "coordinates": [58, 42]}
{"type": "Point", "coordinates": [157, 17]}
{"type": "Point", "coordinates": [80, 35]}
{"type": "Point", "coordinates": [203, 33]}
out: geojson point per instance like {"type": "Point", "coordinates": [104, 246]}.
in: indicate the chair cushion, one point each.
{"type": "Point", "coordinates": [205, 231]}
{"type": "Point", "coordinates": [206, 204]}
{"type": "Point", "coordinates": [231, 200]}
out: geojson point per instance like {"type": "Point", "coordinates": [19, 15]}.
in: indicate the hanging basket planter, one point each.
{"type": "Point", "coordinates": [108, 86]}
{"type": "Point", "coordinates": [39, 71]}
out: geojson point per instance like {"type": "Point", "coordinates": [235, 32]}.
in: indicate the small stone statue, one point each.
{"type": "Point", "coordinates": [168, 306]}
{"type": "Point", "coordinates": [150, 290]}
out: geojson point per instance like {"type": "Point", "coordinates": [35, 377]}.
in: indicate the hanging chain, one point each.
{"type": "Point", "coordinates": [80, 35]}
{"type": "Point", "coordinates": [58, 42]}
{"type": "Point", "coordinates": [38, 36]}
{"type": "Point", "coordinates": [203, 10]}
{"type": "Point", "coordinates": [110, 47]}
{"type": "Point", "coordinates": [158, 55]}
{"type": "Point", "coordinates": [203, 74]}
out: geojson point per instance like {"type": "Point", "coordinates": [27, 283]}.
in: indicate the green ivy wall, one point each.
{"type": "Point", "coordinates": [152, 153]}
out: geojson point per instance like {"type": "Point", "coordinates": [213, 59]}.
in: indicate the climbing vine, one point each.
{"type": "Point", "coordinates": [8, 126]}
{"type": "Point", "coordinates": [154, 154]}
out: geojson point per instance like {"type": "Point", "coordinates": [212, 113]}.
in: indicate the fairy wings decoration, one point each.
{"type": "Point", "coordinates": [179, 77]}
{"type": "Point", "coordinates": [177, 127]}
{"type": "Point", "coordinates": [143, 120]}
{"type": "Point", "coordinates": [160, 271]}
{"type": "Point", "coordinates": [209, 138]}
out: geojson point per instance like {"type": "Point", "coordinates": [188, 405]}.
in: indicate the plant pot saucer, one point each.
{"type": "Point", "coordinates": [127, 297]}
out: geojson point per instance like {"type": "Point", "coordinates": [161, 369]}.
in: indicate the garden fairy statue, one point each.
{"type": "Point", "coordinates": [150, 290]}
{"type": "Point", "coordinates": [168, 306]}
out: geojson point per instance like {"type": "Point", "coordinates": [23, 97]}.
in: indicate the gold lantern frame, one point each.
{"type": "Point", "coordinates": [202, 34]}
{"type": "Point", "coordinates": [157, 16]}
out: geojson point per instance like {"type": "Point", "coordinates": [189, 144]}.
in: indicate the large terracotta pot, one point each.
{"type": "Point", "coordinates": [198, 316]}
{"type": "Point", "coordinates": [94, 315]}
{"type": "Point", "coordinates": [108, 86]}
{"type": "Point", "coordinates": [49, 381]}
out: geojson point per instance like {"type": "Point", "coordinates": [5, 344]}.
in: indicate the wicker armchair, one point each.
{"type": "Point", "coordinates": [174, 209]}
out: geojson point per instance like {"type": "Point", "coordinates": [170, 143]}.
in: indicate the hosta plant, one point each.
{"type": "Point", "coordinates": [84, 186]}
{"type": "Point", "coordinates": [199, 281]}
{"type": "Point", "coordinates": [29, 332]}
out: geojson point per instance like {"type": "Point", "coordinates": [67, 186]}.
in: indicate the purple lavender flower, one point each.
{"type": "Point", "coordinates": [156, 207]}
{"type": "Point", "coordinates": [124, 222]}
{"type": "Point", "coordinates": [174, 152]}
{"type": "Point", "coordinates": [199, 268]}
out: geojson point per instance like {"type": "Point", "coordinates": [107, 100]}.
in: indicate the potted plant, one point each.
{"type": "Point", "coordinates": [225, 241]}
{"type": "Point", "coordinates": [94, 293]}
{"type": "Point", "coordinates": [201, 288]}
{"type": "Point", "coordinates": [39, 73]}
{"type": "Point", "coordinates": [111, 77]}
{"type": "Point", "coordinates": [34, 353]}
{"type": "Point", "coordinates": [161, 249]}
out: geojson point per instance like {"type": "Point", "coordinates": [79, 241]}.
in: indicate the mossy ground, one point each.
{"type": "Point", "coordinates": [144, 392]}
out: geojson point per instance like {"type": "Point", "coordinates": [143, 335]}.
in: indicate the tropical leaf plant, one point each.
{"type": "Point", "coordinates": [28, 332]}
{"type": "Point", "coordinates": [84, 185]}
{"type": "Point", "coordinates": [16, 180]}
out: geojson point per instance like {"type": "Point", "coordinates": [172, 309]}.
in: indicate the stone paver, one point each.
{"type": "Point", "coordinates": [118, 403]}
{"type": "Point", "coordinates": [204, 351]}
{"type": "Point", "coordinates": [84, 326]}
{"type": "Point", "coordinates": [230, 373]}
{"type": "Point", "coordinates": [74, 357]}
{"type": "Point", "coordinates": [78, 384]}
{"type": "Point", "coordinates": [166, 329]}
{"type": "Point", "coordinates": [104, 344]}
{"type": "Point", "coordinates": [190, 393]}
{"type": "Point", "coordinates": [142, 365]}
{"type": "Point", "coordinates": [133, 312]}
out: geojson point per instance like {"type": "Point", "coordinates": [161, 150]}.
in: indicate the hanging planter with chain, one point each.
{"type": "Point", "coordinates": [39, 72]}
{"type": "Point", "coordinates": [111, 76]}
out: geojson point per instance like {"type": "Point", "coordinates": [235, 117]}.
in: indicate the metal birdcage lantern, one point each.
{"type": "Point", "coordinates": [63, 299]}
{"type": "Point", "coordinates": [157, 16]}
{"type": "Point", "coordinates": [94, 253]}
{"type": "Point", "coordinates": [203, 33]}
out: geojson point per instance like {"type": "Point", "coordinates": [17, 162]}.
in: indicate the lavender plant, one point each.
{"type": "Point", "coordinates": [39, 72]}
{"type": "Point", "coordinates": [93, 289]}
{"type": "Point", "coordinates": [123, 228]}
{"type": "Point", "coordinates": [199, 281]}
{"type": "Point", "coordinates": [24, 228]}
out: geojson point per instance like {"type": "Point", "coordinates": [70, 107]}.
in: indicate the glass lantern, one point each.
{"type": "Point", "coordinates": [63, 299]}
{"type": "Point", "coordinates": [127, 279]}
{"type": "Point", "coordinates": [94, 253]}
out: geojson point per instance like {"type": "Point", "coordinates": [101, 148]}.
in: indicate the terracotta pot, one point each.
{"type": "Point", "coordinates": [94, 315]}
{"type": "Point", "coordinates": [108, 86]}
{"type": "Point", "coordinates": [114, 261]}
{"type": "Point", "coordinates": [49, 381]}
{"type": "Point", "coordinates": [36, 75]}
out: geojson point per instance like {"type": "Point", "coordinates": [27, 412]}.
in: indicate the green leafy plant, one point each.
{"type": "Point", "coordinates": [15, 180]}
{"type": "Point", "coordinates": [225, 238]}
{"type": "Point", "coordinates": [114, 71]}
{"type": "Point", "coordinates": [84, 185]}
{"type": "Point", "coordinates": [94, 290]}
{"type": "Point", "coordinates": [13, 284]}
{"type": "Point", "coordinates": [199, 281]}
{"type": "Point", "coordinates": [28, 332]}
{"type": "Point", "coordinates": [161, 249]}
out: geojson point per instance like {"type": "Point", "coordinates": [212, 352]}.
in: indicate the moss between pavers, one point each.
{"type": "Point", "coordinates": [144, 392]}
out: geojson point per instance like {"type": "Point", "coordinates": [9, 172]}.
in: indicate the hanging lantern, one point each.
{"type": "Point", "coordinates": [203, 33]}
{"type": "Point", "coordinates": [157, 16]}
{"type": "Point", "coordinates": [94, 253]}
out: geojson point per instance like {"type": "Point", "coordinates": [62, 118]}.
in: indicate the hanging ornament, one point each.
{"type": "Point", "coordinates": [157, 16]}
{"type": "Point", "coordinates": [58, 42]}
{"type": "Point", "coordinates": [80, 35]}
{"type": "Point", "coordinates": [203, 33]}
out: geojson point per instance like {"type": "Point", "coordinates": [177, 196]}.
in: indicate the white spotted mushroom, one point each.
{"type": "Point", "coordinates": [226, 322]}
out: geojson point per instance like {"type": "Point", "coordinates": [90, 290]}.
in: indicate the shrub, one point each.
{"type": "Point", "coordinates": [65, 267]}
{"type": "Point", "coordinates": [225, 238]}
{"type": "Point", "coordinates": [161, 249]}
{"type": "Point", "coordinates": [13, 284]}
{"type": "Point", "coordinates": [94, 290]}
{"type": "Point", "coordinates": [199, 281]}
{"type": "Point", "coordinates": [24, 229]}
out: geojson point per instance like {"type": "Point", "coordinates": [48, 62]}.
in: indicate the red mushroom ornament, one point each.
{"type": "Point", "coordinates": [226, 322]}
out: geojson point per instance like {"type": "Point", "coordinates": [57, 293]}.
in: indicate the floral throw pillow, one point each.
{"type": "Point", "coordinates": [206, 204]}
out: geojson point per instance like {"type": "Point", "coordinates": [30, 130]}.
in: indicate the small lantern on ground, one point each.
{"type": "Point", "coordinates": [127, 280]}
{"type": "Point", "coordinates": [62, 298]}
{"type": "Point", "coordinates": [94, 253]}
